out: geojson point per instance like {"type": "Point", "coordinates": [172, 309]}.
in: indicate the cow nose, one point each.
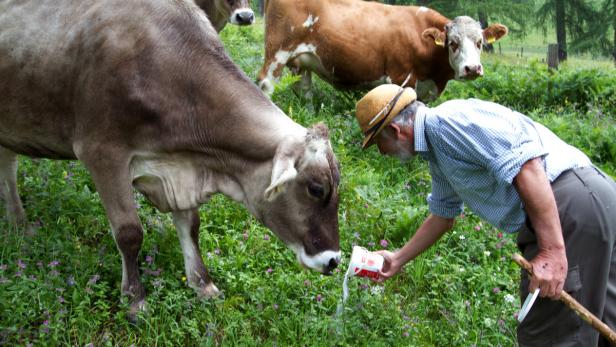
{"type": "Point", "coordinates": [333, 263]}
{"type": "Point", "coordinates": [245, 17]}
{"type": "Point", "coordinates": [473, 70]}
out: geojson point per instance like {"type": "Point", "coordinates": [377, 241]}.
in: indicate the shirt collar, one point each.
{"type": "Point", "coordinates": [421, 144]}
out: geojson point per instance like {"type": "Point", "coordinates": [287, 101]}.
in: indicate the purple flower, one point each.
{"type": "Point", "coordinates": [53, 273]}
{"type": "Point", "coordinates": [53, 263]}
{"type": "Point", "coordinates": [266, 237]}
{"type": "Point", "coordinates": [356, 235]}
{"type": "Point", "coordinates": [158, 283]}
{"type": "Point", "coordinates": [32, 277]}
{"type": "Point", "coordinates": [70, 281]}
{"type": "Point", "coordinates": [3, 280]}
{"type": "Point", "coordinates": [21, 264]}
{"type": "Point", "coordinates": [501, 322]}
{"type": "Point", "coordinates": [18, 274]}
{"type": "Point", "coordinates": [39, 263]}
{"type": "Point", "coordinates": [3, 267]}
{"type": "Point", "coordinates": [496, 290]}
{"type": "Point", "coordinates": [371, 244]}
{"type": "Point", "coordinates": [245, 235]}
{"type": "Point", "coordinates": [94, 279]}
{"type": "Point", "coordinates": [61, 299]}
{"type": "Point", "coordinates": [153, 272]}
{"type": "Point", "coordinates": [477, 227]}
{"type": "Point", "coordinates": [405, 317]}
{"type": "Point", "coordinates": [149, 259]}
{"type": "Point", "coordinates": [319, 298]}
{"type": "Point", "coordinates": [217, 251]}
{"type": "Point", "coordinates": [275, 306]}
{"type": "Point", "coordinates": [365, 205]}
{"type": "Point", "coordinates": [405, 334]}
{"type": "Point", "coordinates": [269, 270]}
{"type": "Point", "coordinates": [307, 283]}
{"type": "Point", "coordinates": [46, 322]}
{"type": "Point", "coordinates": [363, 286]}
{"type": "Point", "coordinates": [89, 345]}
{"type": "Point", "coordinates": [383, 243]}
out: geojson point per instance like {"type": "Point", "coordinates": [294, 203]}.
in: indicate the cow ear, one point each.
{"type": "Point", "coordinates": [283, 168]}
{"type": "Point", "coordinates": [494, 32]}
{"type": "Point", "coordinates": [436, 35]}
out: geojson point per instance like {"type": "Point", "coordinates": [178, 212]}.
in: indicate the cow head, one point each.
{"type": "Point", "coordinates": [463, 39]}
{"type": "Point", "coordinates": [239, 11]}
{"type": "Point", "coordinates": [300, 205]}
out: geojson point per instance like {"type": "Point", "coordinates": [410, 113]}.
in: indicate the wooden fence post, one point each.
{"type": "Point", "coordinates": [553, 56]}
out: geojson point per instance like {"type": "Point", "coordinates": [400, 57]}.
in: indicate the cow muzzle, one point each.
{"type": "Point", "coordinates": [470, 72]}
{"type": "Point", "coordinates": [324, 262]}
{"type": "Point", "coordinates": [243, 16]}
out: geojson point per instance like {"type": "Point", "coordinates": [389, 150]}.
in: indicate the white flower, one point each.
{"type": "Point", "coordinates": [509, 298]}
{"type": "Point", "coordinates": [377, 290]}
{"type": "Point", "coordinates": [462, 237]}
{"type": "Point", "coordinates": [487, 253]}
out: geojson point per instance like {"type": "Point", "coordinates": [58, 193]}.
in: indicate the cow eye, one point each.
{"type": "Point", "coordinates": [454, 46]}
{"type": "Point", "coordinates": [479, 44]}
{"type": "Point", "coordinates": [316, 190]}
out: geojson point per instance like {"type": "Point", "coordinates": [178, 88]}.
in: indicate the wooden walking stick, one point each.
{"type": "Point", "coordinates": [574, 305]}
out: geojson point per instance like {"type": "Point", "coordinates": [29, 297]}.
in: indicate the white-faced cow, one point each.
{"type": "Point", "coordinates": [144, 95]}
{"type": "Point", "coordinates": [353, 43]}
{"type": "Point", "coordinates": [220, 12]}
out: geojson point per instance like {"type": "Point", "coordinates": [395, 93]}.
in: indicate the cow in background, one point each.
{"type": "Point", "coordinates": [220, 12]}
{"type": "Point", "coordinates": [144, 95]}
{"type": "Point", "coordinates": [353, 43]}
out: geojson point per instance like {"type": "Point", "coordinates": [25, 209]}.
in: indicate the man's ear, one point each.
{"type": "Point", "coordinates": [283, 167]}
{"type": "Point", "coordinates": [435, 35]}
{"type": "Point", "coordinates": [397, 131]}
{"type": "Point", "coordinates": [494, 32]}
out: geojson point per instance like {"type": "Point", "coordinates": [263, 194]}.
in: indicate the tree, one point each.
{"type": "Point", "coordinates": [574, 17]}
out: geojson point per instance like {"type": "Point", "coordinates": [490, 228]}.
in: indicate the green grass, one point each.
{"type": "Point", "coordinates": [61, 285]}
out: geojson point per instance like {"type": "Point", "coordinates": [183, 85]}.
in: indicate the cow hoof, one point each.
{"type": "Point", "coordinates": [209, 291]}
{"type": "Point", "coordinates": [135, 309]}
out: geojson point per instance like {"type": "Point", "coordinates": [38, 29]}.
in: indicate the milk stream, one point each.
{"type": "Point", "coordinates": [345, 292]}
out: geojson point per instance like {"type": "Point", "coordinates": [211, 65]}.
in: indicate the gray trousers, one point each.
{"type": "Point", "coordinates": [586, 200]}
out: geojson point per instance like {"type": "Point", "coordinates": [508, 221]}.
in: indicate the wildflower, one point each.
{"type": "Point", "coordinates": [3, 280]}
{"type": "Point", "coordinates": [39, 263]}
{"type": "Point", "coordinates": [89, 345]}
{"type": "Point", "coordinates": [462, 215]}
{"type": "Point", "coordinates": [363, 286]}
{"type": "Point", "coordinates": [501, 323]}
{"type": "Point", "coordinates": [149, 259]}
{"type": "Point", "coordinates": [356, 235]}
{"type": "Point", "coordinates": [21, 264]}
{"type": "Point", "coordinates": [371, 244]}
{"type": "Point", "coordinates": [383, 243]}
{"type": "Point", "coordinates": [217, 251]}
{"type": "Point", "coordinates": [307, 283]}
{"type": "Point", "coordinates": [183, 278]}
{"type": "Point", "coordinates": [319, 298]}
{"type": "Point", "coordinates": [365, 205]}
{"type": "Point", "coordinates": [245, 235]}
{"type": "Point", "coordinates": [18, 274]}
{"type": "Point", "coordinates": [53, 273]}
{"type": "Point", "coordinates": [33, 278]}
{"type": "Point", "coordinates": [377, 290]}
{"type": "Point", "coordinates": [275, 306]}
{"type": "Point", "coordinates": [405, 334]}
{"type": "Point", "coordinates": [509, 298]}
{"type": "Point", "coordinates": [153, 272]}
{"type": "Point", "coordinates": [499, 235]}
{"type": "Point", "coordinates": [462, 237]}
{"type": "Point", "coordinates": [61, 299]}
{"type": "Point", "coordinates": [266, 237]}
{"type": "Point", "coordinates": [499, 245]}
{"type": "Point", "coordinates": [53, 263]}
{"type": "Point", "coordinates": [270, 270]}
{"type": "Point", "coordinates": [3, 267]}
{"type": "Point", "coordinates": [94, 279]}
{"type": "Point", "coordinates": [486, 253]}
{"type": "Point", "coordinates": [70, 281]}
{"type": "Point", "coordinates": [157, 283]}
{"type": "Point", "coordinates": [496, 290]}
{"type": "Point", "coordinates": [478, 227]}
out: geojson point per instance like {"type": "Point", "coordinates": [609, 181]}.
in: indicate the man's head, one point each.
{"type": "Point", "coordinates": [385, 116]}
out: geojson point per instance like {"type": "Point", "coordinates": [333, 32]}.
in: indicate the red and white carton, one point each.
{"type": "Point", "coordinates": [365, 263]}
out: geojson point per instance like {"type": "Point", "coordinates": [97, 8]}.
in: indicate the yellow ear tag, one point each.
{"type": "Point", "coordinates": [439, 42]}
{"type": "Point", "coordinates": [491, 39]}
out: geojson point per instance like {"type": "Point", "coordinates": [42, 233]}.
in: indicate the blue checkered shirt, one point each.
{"type": "Point", "coordinates": [475, 149]}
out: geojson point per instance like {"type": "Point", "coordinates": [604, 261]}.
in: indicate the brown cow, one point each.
{"type": "Point", "coordinates": [351, 43]}
{"type": "Point", "coordinates": [144, 95]}
{"type": "Point", "coordinates": [220, 12]}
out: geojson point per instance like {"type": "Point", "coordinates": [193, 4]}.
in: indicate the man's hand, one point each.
{"type": "Point", "coordinates": [391, 266]}
{"type": "Point", "coordinates": [550, 264]}
{"type": "Point", "coordinates": [549, 273]}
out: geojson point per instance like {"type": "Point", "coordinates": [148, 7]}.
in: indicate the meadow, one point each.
{"type": "Point", "coordinates": [60, 286]}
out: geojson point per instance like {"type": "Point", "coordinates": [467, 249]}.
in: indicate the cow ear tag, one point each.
{"type": "Point", "coordinates": [439, 42]}
{"type": "Point", "coordinates": [491, 39]}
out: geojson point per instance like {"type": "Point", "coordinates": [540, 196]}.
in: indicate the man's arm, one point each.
{"type": "Point", "coordinates": [428, 233]}
{"type": "Point", "coordinates": [550, 264]}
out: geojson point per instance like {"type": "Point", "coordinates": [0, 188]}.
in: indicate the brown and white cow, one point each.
{"type": "Point", "coordinates": [352, 43]}
{"type": "Point", "coordinates": [220, 12]}
{"type": "Point", "coordinates": [144, 95]}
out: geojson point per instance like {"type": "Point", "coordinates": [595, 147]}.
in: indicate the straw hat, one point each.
{"type": "Point", "coordinates": [376, 109]}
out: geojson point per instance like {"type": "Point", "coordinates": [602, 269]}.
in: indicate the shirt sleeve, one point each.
{"type": "Point", "coordinates": [443, 201]}
{"type": "Point", "coordinates": [493, 137]}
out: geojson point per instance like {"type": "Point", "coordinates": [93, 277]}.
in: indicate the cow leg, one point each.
{"type": "Point", "coordinates": [426, 90]}
{"type": "Point", "coordinates": [305, 86]}
{"type": "Point", "coordinates": [8, 188]}
{"type": "Point", "coordinates": [187, 225]}
{"type": "Point", "coordinates": [271, 71]}
{"type": "Point", "coordinates": [110, 173]}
